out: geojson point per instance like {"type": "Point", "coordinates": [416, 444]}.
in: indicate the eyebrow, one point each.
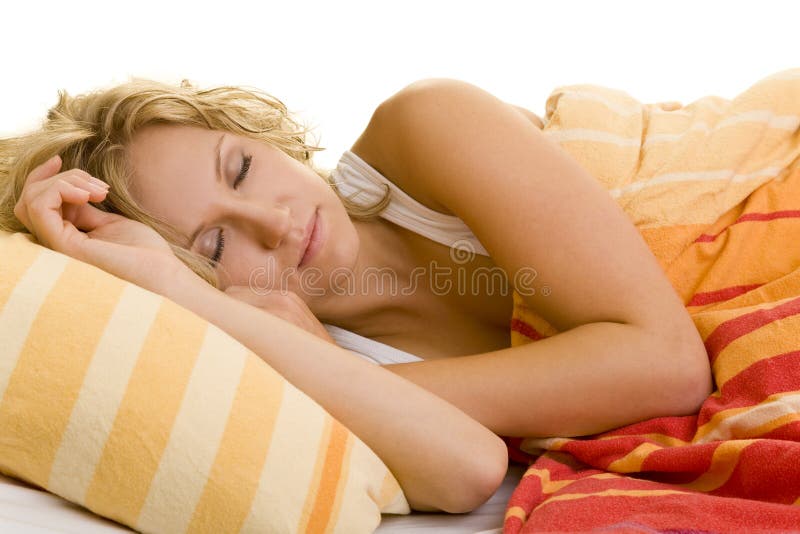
{"type": "Point", "coordinates": [218, 161]}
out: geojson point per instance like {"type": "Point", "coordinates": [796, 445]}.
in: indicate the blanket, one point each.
{"type": "Point", "coordinates": [714, 189]}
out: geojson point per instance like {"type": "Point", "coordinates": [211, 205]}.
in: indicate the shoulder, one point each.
{"type": "Point", "coordinates": [400, 120]}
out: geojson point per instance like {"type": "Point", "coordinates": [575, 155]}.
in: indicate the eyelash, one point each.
{"type": "Point", "coordinates": [220, 236]}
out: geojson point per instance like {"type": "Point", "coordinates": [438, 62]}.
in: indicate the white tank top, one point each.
{"type": "Point", "coordinates": [357, 180]}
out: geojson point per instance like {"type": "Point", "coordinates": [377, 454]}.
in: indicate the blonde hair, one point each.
{"type": "Point", "coordinates": [91, 131]}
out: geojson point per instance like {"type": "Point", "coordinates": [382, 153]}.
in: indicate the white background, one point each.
{"type": "Point", "coordinates": [333, 62]}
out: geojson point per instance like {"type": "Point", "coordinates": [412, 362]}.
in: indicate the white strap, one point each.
{"type": "Point", "coordinates": [357, 180]}
{"type": "Point", "coordinates": [369, 349]}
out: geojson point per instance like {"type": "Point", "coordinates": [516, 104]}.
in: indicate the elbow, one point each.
{"type": "Point", "coordinates": [479, 480]}
{"type": "Point", "coordinates": [691, 380]}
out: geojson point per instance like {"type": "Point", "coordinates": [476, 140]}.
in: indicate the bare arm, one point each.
{"type": "Point", "coordinates": [627, 350]}
{"type": "Point", "coordinates": [442, 458]}
{"type": "Point", "coordinates": [430, 446]}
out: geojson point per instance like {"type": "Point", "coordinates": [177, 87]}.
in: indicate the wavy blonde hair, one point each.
{"type": "Point", "coordinates": [90, 132]}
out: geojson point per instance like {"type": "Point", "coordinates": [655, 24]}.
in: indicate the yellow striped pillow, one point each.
{"type": "Point", "coordinates": [124, 402]}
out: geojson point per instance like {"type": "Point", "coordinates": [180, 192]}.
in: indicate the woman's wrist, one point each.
{"type": "Point", "coordinates": [186, 288]}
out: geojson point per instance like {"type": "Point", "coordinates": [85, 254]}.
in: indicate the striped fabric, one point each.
{"type": "Point", "coordinates": [124, 402]}
{"type": "Point", "coordinates": [714, 189]}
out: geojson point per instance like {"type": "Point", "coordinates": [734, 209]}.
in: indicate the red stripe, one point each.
{"type": "Point", "coordinates": [748, 217]}
{"type": "Point", "coordinates": [751, 386]}
{"type": "Point", "coordinates": [737, 327]}
{"type": "Point", "coordinates": [710, 297]}
{"type": "Point", "coordinates": [518, 325]}
{"type": "Point", "coordinates": [748, 477]}
{"type": "Point", "coordinates": [685, 513]}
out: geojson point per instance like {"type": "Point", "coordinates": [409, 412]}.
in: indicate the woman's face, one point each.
{"type": "Point", "coordinates": [245, 204]}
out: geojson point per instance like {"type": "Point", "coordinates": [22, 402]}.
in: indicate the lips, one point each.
{"type": "Point", "coordinates": [307, 239]}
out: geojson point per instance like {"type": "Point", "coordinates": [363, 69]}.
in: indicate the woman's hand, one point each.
{"type": "Point", "coordinates": [55, 207]}
{"type": "Point", "coordinates": [283, 303]}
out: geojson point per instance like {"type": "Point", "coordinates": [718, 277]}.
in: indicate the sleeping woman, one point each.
{"type": "Point", "coordinates": [210, 197]}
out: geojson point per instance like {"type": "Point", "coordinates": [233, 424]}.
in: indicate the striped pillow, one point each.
{"type": "Point", "coordinates": [126, 403]}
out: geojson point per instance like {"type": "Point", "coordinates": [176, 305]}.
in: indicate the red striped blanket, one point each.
{"type": "Point", "coordinates": [714, 188]}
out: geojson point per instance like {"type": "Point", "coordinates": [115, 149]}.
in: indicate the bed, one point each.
{"type": "Point", "coordinates": [25, 509]}
{"type": "Point", "coordinates": [725, 231]}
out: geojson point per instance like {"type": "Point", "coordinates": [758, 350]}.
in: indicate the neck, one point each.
{"type": "Point", "coordinates": [370, 301]}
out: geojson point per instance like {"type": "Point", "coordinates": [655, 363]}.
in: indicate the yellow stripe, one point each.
{"type": "Point", "coordinates": [760, 344]}
{"type": "Point", "coordinates": [660, 439]}
{"type": "Point", "coordinates": [51, 368]}
{"type": "Point", "coordinates": [723, 462]}
{"type": "Point", "coordinates": [750, 421]}
{"type": "Point", "coordinates": [141, 429]}
{"type": "Point", "coordinates": [516, 511]}
{"type": "Point", "coordinates": [228, 495]}
{"type": "Point", "coordinates": [195, 439]}
{"type": "Point", "coordinates": [23, 287]}
{"type": "Point", "coordinates": [632, 462]}
{"type": "Point", "coordinates": [23, 257]}
{"type": "Point", "coordinates": [552, 486]}
{"type": "Point", "coordinates": [289, 468]}
{"type": "Point", "coordinates": [610, 493]}
{"type": "Point", "coordinates": [548, 486]}
{"type": "Point", "coordinates": [101, 394]}
{"type": "Point", "coordinates": [334, 473]}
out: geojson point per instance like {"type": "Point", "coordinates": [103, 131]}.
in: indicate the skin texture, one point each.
{"type": "Point", "coordinates": [627, 351]}
{"type": "Point", "coordinates": [627, 348]}
{"type": "Point", "coordinates": [413, 438]}
{"type": "Point", "coordinates": [263, 219]}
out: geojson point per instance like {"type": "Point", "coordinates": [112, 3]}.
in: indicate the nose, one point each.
{"type": "Point", "coordinates": [267, 224]}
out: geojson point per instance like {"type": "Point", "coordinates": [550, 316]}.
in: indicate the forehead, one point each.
{"type": "Point", "coordinates": [174, 171]}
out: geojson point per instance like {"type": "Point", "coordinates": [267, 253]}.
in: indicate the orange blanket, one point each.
{"type": "Point", "coordinates": [714, 188]}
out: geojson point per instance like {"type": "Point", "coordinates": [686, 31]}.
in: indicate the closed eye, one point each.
{"type": "Point", "coordinates": [217, 256]}
{"type": "Point", "coordinates": [243, 173]}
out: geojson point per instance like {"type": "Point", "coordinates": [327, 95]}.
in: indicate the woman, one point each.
{"type": "Point", "coordinates": [222, 180]}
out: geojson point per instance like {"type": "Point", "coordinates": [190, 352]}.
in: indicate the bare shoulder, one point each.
{"type": "Point", "coordinates": [373, 146]}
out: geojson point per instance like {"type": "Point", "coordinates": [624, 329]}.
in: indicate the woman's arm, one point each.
{"type": "Point", "coordinates": [627, 350]}
{"type": "Point", "coordinates": [443, 459]}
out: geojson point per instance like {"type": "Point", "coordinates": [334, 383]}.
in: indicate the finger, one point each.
{"type": "Point", "coordinates": [86, 217]}
{"type": "Point", "coordinates": [44, 214]}
{"type": "Point", "coordinates": [45, 170]}
{"type": "Point", "coordinates": [75, 177]}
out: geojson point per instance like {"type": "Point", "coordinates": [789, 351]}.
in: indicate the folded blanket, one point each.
{"type": "Point", "coordinates": [714, 189]}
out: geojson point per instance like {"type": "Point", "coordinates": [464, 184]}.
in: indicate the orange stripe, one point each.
{"type": "Point", "coordinates": [723, 462]}
{"type": "Point", "coordinates": [731, 330]}
{"type": "Point", "coordinates": [632, 462]}
{"type": "Point", "coordinates": [233, 481]}
{"type": "Point", "coordinates": [145, 416]}
{"type": "Point", "coordinates": [323, 512]}
{"type": "Point", "coordinates": [47, 379]}
{"type": "Point", "coordinates": [12, 271]}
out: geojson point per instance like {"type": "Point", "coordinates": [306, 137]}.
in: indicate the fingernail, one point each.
{"type": "Point", "coordinates": [98, 183]}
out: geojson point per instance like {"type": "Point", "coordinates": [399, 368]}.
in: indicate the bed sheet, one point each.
{"type": "Point", "coordinates": [25, 509]}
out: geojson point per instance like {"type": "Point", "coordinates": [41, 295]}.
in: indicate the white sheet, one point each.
{"type": "Point", "coordinates": [28, 510]}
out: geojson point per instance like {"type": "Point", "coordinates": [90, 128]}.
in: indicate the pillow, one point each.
{"type": "Point", "coordinates": [132, 406]}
